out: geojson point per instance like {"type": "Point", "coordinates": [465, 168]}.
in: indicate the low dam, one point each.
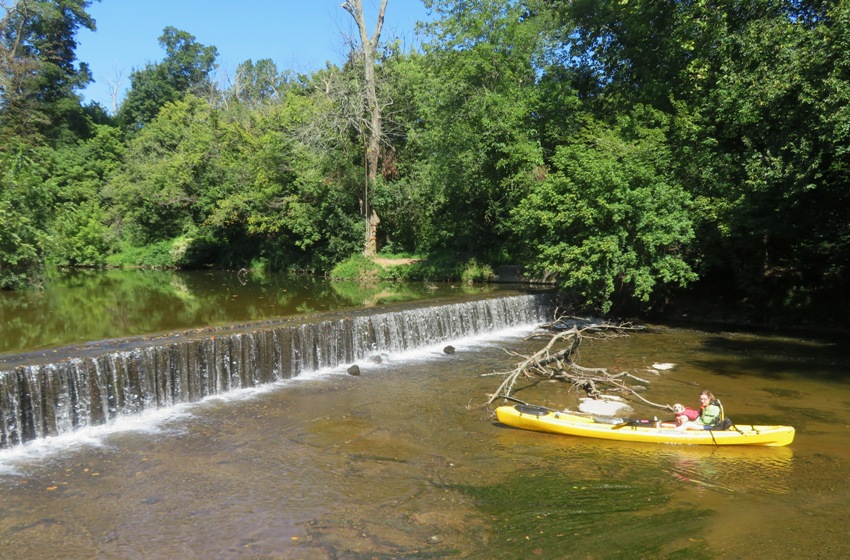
{"type": "Point", "coordinates": [50, 393]}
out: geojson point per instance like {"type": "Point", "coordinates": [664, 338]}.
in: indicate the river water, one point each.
{"type": "Point", "coordinates": [80, 306]}
{"type": "Point", "coordinates": [403, 461]}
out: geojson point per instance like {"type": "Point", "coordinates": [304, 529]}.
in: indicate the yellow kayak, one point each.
{"type": "Point", "coordinates": [544, 420]}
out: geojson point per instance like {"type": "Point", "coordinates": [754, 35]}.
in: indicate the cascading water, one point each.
{"type": "Point", "coordinates": [88, 386]}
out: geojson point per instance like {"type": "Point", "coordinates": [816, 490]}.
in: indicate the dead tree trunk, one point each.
{"type": "Point", "coordinates": [369, 46]}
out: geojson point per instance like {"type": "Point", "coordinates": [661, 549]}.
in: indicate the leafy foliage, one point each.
{"type": "Point", "coordinates": [185, 69]}
{"type": "Point", "coordinates": [25, 201]}
{"type": "Point", "coordinates": [478, 140]}
{"type": "Point", "coordinates": [38, 75]}
{"type": "Point", "coordinates": [782, 103]}
{"type": "Point", "coordinates": [80, 231]}
{"type": "Point", "coordinates": [611, 218]}
{"type": "Point", "coordinates": [632, 147]}
{"type": "Point", "coordinates": [357, 268]}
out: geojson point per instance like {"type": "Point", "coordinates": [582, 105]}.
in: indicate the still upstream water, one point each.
{"type": "Point", "coordinates": [81, 306]}
{"type": "Point", "coordinates": [404, 462]}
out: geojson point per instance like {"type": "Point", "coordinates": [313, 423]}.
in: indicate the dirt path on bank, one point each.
{"type": "Point", "coordinates": [394, 262]}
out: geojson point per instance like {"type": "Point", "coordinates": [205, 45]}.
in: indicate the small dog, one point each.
{"type": "Point", "coordinates": [684, 414]}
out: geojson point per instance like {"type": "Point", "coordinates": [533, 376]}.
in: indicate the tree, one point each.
{"type": "Point", "coordinates": [287, 202]}
{"type": "Point", "coordinates": [369, 47]}
{"type": "Point", "coordinates": [39, 110]}
{"type": "Point", "coordinates": [403, 195]}
{"type": "Point", "coordinates": [258, 83]}
{"type": "Point", "coordinates": [758, 92]}
{"type": "Point", "coordinates": [209, 186]}
{"type": "Point", "coordinates": [157, 193]}
{"type": "Point", "coordinates": [79, 226]}
{"type": "Point", "coordinates": [610, 219]}
{"type": "Point", "coordinates": [25, 201]}
{"type": "Point", "coordinates": [478, 140]}
{"type": "Point", "coordinates": [38, 75]}
{"type": "Point", "coordinates": [185, 69]}
{"type": "Point", "coordinates": [778, 114]}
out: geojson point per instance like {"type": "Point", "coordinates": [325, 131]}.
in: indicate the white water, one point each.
{"type": "Point", "coordinates": [76, 389]}
{"type": "Point", "coordinates": [16, 461]}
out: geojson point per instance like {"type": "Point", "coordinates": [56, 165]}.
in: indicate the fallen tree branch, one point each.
{"type": "Point", "coordinates": [561, 364]}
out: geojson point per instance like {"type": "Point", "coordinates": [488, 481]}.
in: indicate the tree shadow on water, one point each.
{"type": "Point", "coordinates": [776, 357]}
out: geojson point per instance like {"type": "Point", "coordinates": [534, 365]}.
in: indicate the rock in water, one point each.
{"type": "Point", "coordinates": [449, 349]}
{"type": "Point", "coordinates": [602, 407]}
{"type": "Point", "coordinates": [354, 370]}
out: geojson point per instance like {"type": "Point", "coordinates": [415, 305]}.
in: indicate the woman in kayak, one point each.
{"type": "Point", "coordinates": [709, 413]}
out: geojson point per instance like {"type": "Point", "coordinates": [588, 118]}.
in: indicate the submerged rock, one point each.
{"type": "Point", "coordinates": [604, 407]}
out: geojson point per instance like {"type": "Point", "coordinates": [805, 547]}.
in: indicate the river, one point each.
{"type": "Point", "coordinates": [79, 306]}
{"type": "Point", "coordinates": [403, 461]}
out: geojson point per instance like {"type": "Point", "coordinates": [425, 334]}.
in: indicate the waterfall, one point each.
{"type": "Point", "coordinates": [44, 396]}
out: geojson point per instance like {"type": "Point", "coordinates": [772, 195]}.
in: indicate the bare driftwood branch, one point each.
{"type": "Point", "coordinates": [561, 364]}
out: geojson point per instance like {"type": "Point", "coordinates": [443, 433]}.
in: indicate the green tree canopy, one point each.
{"type": "Point", "coordinates": [611, 219]}
{"type": "Point", "coordinates": [39, 76]}
{"type": "Point", "coordinates": [26, 198]}
{"type": "Point", "coordinates": [186, 69]}
{"type": "Point", "coordinates": [478, 135]}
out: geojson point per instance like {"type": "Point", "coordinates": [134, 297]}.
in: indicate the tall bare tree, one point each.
{"type": "Point", "coordinates": [115, 89]}
{"type": "Point", "coordinates": [369, 47]}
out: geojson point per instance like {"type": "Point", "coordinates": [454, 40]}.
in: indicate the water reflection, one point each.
{"type": "Point", "coordinates": [82, 306]}
{"type": "Point", "coordinates": [763, 473]}
{"type": "Point", "coordinates": [725, 469]}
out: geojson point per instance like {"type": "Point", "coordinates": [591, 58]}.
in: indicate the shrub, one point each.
{"type": "Point", "coordinates": [357, 268]}
{"type": "Point", "coordinates": [474, 272]}
{"type": "Point", "coordinates": [157, 255]}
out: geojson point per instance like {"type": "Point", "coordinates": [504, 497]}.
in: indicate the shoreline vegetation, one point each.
{"type": "Point", "coordinates": [689, 307]}
{"type": "Point", "coordinates": [402, 267]}
{"type": "Point", "coordinates": [677, 159]}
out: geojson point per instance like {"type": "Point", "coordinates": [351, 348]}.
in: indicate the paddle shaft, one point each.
{"type": "Point", "coordinates": [516, 400]}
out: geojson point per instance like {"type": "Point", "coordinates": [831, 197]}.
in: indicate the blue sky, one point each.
{"type": "Point", "coordinates": [297, 34]}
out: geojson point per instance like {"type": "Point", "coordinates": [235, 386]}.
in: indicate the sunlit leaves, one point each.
{"type": "Point", "coordinates": [611, 217]}
{"type": "Point", "coordinates": [25, 202]}
{"type": "Point", "coordinates": [39, 76]}
{"type": "Point", "coordinates": [479, 138]}
{"type": "Point", "coordinates": [185, 69]}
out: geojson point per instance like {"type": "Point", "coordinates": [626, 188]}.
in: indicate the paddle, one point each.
{"type": "Point", "coordinates": [516, 400]}
{"type": "Point", "coordinates": [639, 423]}
{"type": "Point", "coordinates": [542, 408]}
{"type": "Point", "coordinates": [528, 408]}
{"type": "Point", "coordinates": [538, 410]}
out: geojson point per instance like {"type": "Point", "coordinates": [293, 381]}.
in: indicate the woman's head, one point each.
{"type": "Point", "coordinates": [706, 398]}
